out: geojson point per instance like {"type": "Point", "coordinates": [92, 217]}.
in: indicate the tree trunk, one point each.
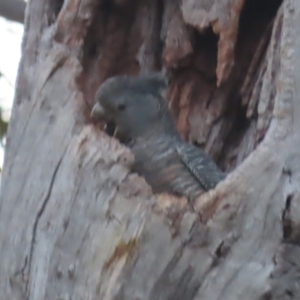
{"type": "Point", "coordinates": [75, 223]}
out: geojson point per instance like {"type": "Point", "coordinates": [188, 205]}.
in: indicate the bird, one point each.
{"type": "Point", "coordinates": [138, 107]}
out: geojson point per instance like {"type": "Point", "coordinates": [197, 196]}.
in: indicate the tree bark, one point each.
{"type": "Point", "coordinates": [13, 10]}
{"type": "Point", "coordinates": [75, 223]}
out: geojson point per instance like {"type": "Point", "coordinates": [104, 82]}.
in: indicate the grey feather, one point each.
{"type": "Point", "coordinates": [200, 165]}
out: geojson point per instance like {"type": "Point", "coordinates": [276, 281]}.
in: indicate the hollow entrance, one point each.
{"type": "Point", "coordinates": [129, 37]}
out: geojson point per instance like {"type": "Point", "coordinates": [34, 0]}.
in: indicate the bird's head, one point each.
{"type": "Point", "coordinates": [136, 105]}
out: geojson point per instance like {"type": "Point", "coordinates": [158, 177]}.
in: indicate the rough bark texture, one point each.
{"type": "Point", "coordinates": [13, 10]}
{"type": "Point", "coordinates": [76, 224]}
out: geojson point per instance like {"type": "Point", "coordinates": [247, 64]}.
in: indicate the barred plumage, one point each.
{"type": "Point", "coordinates": [138, 107]}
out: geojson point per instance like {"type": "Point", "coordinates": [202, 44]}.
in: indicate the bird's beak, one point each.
{"type": "Point", "coordinates": [98, 113]}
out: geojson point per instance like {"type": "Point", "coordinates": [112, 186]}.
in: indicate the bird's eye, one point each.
{"type": "Point", "coordinates": [121, 106]}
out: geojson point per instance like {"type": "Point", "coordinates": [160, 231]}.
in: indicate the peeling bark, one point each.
{"type": "Point", "coordinates": [223, 17]}
{"type": "Point", "coordinates": [75, 223]}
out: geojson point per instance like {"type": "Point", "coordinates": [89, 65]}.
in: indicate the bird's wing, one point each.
{"type": "Point", "coordinates": [200, 165]}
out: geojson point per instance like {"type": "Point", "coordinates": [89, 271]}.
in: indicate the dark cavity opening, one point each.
{"type": "Point", "coordinates": [255, 28]}
{"type": "Point", "coordinates": [53, 10]}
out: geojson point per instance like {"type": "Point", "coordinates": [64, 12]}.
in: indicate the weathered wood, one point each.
{"type": "Point", "coordinates": [75, 223]}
